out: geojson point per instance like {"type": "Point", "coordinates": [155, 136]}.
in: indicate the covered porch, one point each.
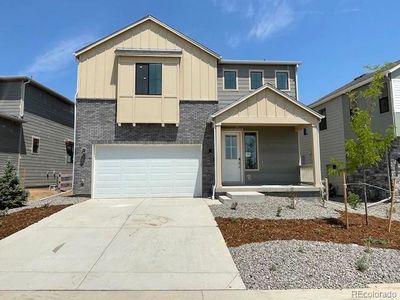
{"type": "Point", "coordinates": [257, 145]}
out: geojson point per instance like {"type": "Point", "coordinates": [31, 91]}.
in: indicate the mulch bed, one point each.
{"type": "Point", "coordinates": [17, 221]}
{"type": "Point", "coordinates": [238, 231]}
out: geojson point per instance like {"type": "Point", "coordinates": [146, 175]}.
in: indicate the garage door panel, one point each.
{"type": "Point", "coordinates": [147, 171]}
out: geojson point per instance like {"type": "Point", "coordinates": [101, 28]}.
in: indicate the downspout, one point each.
{"type": "Point", "coordinates": [21, 115]}
{"type": "Point", "coordinates": [297, 83]}
{"type": "Point", "coordinates": [215, 163]}
{"type": "Point", "coordinates": [76, 95]}
{"type": "Point", "coordinates": [389, 158]}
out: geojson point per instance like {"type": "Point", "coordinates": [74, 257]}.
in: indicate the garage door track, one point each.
{"type": "Point", "coordinates": [130, 244]}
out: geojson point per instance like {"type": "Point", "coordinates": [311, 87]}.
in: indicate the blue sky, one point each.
{"type": "Point", "coordinates": [333, 38]}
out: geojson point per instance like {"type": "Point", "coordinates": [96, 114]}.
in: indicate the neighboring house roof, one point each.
{"type": "Point", "coordinates": [38, 85]}
{"type": "Point", "coordinates": [355, 83]}
{"type": "Point", "coordinates": [11, 118]}
{"type": "Point", "coordinates": [271, 87]}
{"type": "Point", "coordinates": [147, 18]}
{"type": "Point", "coordinates": [258, 62]}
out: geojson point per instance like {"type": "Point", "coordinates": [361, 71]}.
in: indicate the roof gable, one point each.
{"type": "Point", "coordinates": [267, 105]}
{"type": "Point", "coordinates": [141, 21]}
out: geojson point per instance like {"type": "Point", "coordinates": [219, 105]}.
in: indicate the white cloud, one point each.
{"type": "Point", "coordinates": [265, 17]}
{"type": "Point", "coordinates": [58, 57]}
{"type": "Point", "coordinates": [271, 18]}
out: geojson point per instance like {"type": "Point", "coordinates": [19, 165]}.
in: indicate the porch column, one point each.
{"type": "Point", "coordinates": [316, 156]}
{"type": "Point", "coordinates": [218, 155]}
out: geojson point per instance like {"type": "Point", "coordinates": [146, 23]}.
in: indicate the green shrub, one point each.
{"type": "Point", "coordinates": [362, 263]}
{"type": "Point", "coordinates": [279, 211]}
{"type": "Point", "coordinates": [11, 193]}
{"type": "Point", "coordinates": [353, 200]}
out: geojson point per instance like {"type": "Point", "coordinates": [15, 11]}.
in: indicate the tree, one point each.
{"type": "Point", "coordinates": [11, 193]}
{"type": "Point", "coordinates": [367, 148]}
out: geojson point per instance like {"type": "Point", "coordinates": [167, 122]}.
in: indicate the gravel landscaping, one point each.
{"type": "Point", "coordinates": [305, 209]}
{"type": "Point", "coordinates": [303, 264]}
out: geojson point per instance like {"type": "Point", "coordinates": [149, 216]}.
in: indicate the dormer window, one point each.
{"type": "Point", "coordinates": [148, 79]}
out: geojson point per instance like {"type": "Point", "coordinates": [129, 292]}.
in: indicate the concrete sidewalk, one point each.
{"type": "Point", "coordinates": [316, 294]}
{"type": "Point", "coordinates": [130, 244]}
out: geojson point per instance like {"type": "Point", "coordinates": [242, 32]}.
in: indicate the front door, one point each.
{"type": "Point", "coordinates": [231, 158]}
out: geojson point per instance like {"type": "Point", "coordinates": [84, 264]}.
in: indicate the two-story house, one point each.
{"type": "Point", "coordinates": [160, 115]}
{"type": "Point", "coordinates": [36, 130]}
{"type": "Point", "coordinates": [335, 129]}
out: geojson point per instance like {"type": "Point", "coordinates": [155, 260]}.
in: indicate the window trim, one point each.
{"type": "Point", "coordinates": [37, 138]}
{"type": "Point", "coordinates": [148, 82]}
{"type": "Point", "coordinates": [223, 79]}
{"type": "Point", "coordinates": [257, 153]}
{"type": "Point", "coordinates": [288, 79]}
{"type": "Point", "coordinates": [262, 78]}
{"type": "Point", "coordinates": [388, 105]}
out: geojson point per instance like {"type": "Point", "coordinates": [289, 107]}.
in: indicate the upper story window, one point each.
{"type": "Point", "coordinates": [323, 124]}
{"type": "Point", "coordinates": [148, 79]}
{"type": "Point", "coordinates": [282, 80]}
{"type": "Point", "coordinates": [256, 79]}
{"type": "Point", "coordinates": [383, 105]}
{"type": "Point", "coordinates": [230, 80]}
{"type": "Point", "coordinates": [35, 145]}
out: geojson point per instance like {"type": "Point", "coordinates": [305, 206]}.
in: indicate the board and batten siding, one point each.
{"type": "Point", "coordinates": [226, 97]}
{"type": "Point", "coordinates": [51, 120]}
{"type": "Point", "coordinates": [97, 71]}
{"type": "Point", "coordinates": [10, 97]}
{"type": "Point", "coordinates": [331, 140]}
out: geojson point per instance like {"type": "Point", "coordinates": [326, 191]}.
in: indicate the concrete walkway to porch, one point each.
{"type": "Point", "coordinates": [130, 244]}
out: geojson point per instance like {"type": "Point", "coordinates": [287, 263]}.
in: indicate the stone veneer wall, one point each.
{"type": "Point", "coordinates": [96, 124]}
{"type": "Point", "coordinates": [380, 175]}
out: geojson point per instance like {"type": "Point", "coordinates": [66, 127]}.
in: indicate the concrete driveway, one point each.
{"type": "Point", "coordinates": [131, 244]}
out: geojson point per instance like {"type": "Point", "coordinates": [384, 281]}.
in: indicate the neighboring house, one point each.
{"type": "Point", "coordinates": [159, 114]}
{"type": "Point", "coordinates": [335, 129]}
{"type": "Point", "coordinates": [36, 130]}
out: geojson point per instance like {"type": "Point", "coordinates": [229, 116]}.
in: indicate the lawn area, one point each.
{"type": "Point", "coordinates": [40, 193]}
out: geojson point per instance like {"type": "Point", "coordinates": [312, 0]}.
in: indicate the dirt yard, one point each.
{"type": "Point", "coordinates": [40, 193]}
{"type": "Point", "coordinates": [238, 231]}
{"type": "Point", "coordinates": [17, 221]}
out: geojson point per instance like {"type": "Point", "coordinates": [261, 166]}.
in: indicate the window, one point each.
{"type": "Point", "coordinates": [250, 150]}
{"type": "Point", "coordinates": [383, 105]}
{"type": "Point", "coordinates": [256, 79]}
{"type": "Point", "coordinates": [230, 147]}
{"type": "Point", "coordinates": [282, 80]}
{"type": "Point", "coordinates": [35, 145]}
{"type": "Point", "coordinates": [148, 79]}
{"type": "Point", "coordinates": [69, 147]}
{"type": "Point", "coordinates": [323, 124]}
{"type": "Point", "coordinates": [305, 131]}
{"type": "Point", "coordinates": [230, 78]}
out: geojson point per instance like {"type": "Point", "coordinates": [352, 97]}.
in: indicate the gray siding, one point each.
{"type": "Point", "coordinates": [9, 139]}
{"type": "Point", "coordinates": [10, 97]}
{"type": "Point", "coordinates": [96, 124]}
{"type": "Point", "coordinates": [331, 140]}
{"type": "Point", "coordinates": [51, 120]}
{"type": "Point", "coordinates": [225, 97]}
{"type": "Point", "coordinates": [278, 157]}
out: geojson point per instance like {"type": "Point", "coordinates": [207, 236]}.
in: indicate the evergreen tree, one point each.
{"type": "Point", "coordinates": [11, 193]}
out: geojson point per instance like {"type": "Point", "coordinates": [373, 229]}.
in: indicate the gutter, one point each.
{"type": "Point", "coordinates": [76, 95]}
{"type": "Point", "coordinates": [21, 114]}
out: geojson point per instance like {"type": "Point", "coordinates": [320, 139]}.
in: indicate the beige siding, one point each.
{"type": "Point", "coordinates": [162, 108]}
{"type": "Point", "coordinates": [267, 107]}
{"type": "Point", "coordinates": [331, 140]}
{"type": "Point", "coordinates": [98, 68]}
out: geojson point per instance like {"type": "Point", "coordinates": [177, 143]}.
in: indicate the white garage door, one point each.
{"type": "Point", "coordinates": [122, 171]}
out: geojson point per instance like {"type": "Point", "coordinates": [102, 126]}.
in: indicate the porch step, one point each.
{"type": "Point", "coordinates": [225, 200]}
{"type": "Point", "coordinates": [246, 197]}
